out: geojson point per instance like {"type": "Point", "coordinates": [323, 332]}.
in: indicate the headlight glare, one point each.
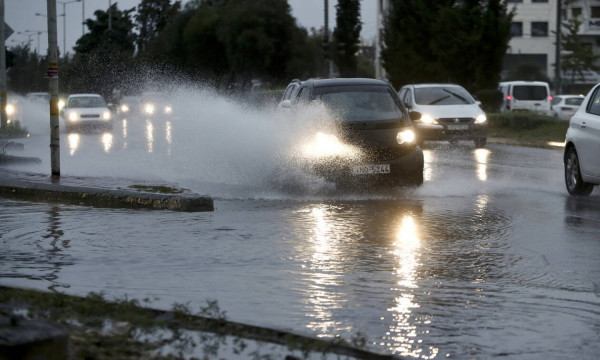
{"type": "Point", "coordinates": [106, 115]}
{"type": "Point", "coordinates": [124, 108]}
{"type": "Point", "coordinates": [73, 116]}
{"type": "Point", "coordinates": [405, 137]}
{"type": "Point", "coordinates": [61, 104]}
{"type": "Point", "coordinates": [428, 119]}
{"type": "Point", "coordinates": [10, 109]}
{"type": "Point", "coordinates": [480, 119]}
{"type": "Point", "coordinates": [168, 109]}
{"type": "Point", "coordinates": [149, 109]}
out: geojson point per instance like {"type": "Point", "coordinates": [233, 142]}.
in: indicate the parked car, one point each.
{"type": "Point", "coordinates": [582, 146]}
{"type": "Point", "coordinates": [448, 112]}
{"type": "Point", "coordinates": [86, 110]}
{"type": "Point", "coordinates": [564, 106]}
{"type": "Point", "coordinates": [526, 96]}
{"type": "Point", "coordinates": [375, 138]}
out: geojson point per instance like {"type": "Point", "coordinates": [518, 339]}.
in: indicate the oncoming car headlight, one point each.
{"type": "Point", "coordinates": [124, 108]}
{"type": "Point", "coordinates": [61, 104]}
{"type": "Point", "coordinates": [106, 115]}
{"type": "Point", "coordinates": [149, 109]}
{"type": "Point", "coordinates": [73, 116]}
{"type": "Point", "coordinates": [480, 119]}
{"type": "Point", "coordinates": [428, 119]}
{"type": "Point", "coordinates": [10, 109]}
{"type": "Point", "coordinates": [168, 109]}
{"type": "Point", "coordinates": [327, 145]}
{"type": "Point", "coordinates": [405, 136]}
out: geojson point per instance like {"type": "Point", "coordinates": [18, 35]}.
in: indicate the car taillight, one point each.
{"type": "Point", "coordinates": [549, 97]}
{"type": "Point", "coordinates": [508, 97]}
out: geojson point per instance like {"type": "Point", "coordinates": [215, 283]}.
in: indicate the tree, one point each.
{"type": "Point", "coordinates": [104, 55]}
{"type": "Point", "coordinates": [580, 57]}
{"type": "Point", "coordinates": [457, 41]}
{"type": "Point", "coordinates": [152, 17]}
{"type": "Point", "coordinates": [347, 36]}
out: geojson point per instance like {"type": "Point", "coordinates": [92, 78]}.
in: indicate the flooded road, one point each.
{"type": "Point", "coordinates": [489, 258]}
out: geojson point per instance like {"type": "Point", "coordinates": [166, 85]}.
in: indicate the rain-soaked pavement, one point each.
{"type": "Point", "coordinates": [489, 258]}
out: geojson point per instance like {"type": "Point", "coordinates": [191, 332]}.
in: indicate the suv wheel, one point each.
{"type": "Point", "coordinates": [575, 185]}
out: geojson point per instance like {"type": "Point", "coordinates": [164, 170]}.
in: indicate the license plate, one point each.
{"type": "Point", "coordinates": [370, 169]}
{"type": "Point", "coordinates": [458, 127]}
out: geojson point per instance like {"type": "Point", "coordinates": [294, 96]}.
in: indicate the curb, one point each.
{"type": "Point", "coordinates": [79, 195]}
{"type": "Point", "coordinates": [512, 142]}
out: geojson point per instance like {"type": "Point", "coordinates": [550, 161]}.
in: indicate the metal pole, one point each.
{"type": "Point", "coordinates": [82, 17]}
{"type": "Point", "coordinates": [109, 15]}
{"type": "Point", "coordinates": [557, 55]}
{"type": "Point", "coordinates": [53, 87]}
{"type": "Point", "coordinates": [64, 30]}
{"type": "Point", "coordinates": [3, 117]}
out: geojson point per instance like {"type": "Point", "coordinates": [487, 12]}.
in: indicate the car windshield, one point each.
{"type": "Point", "coordinates": [360, 102]}
{"type": "Point", "coordinates": [574, 101]}
{"type": "Point", "coordinates": [87, 102]}
{"type": "Point", "coordinates": [530, 92]}
{"type": "Point", "coordinates": [442, 95]}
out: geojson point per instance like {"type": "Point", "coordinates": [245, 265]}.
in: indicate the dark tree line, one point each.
{"type": "Point", "coordinates": [230, 42]}
{"type": "Point", "coordinates": [446, 41]}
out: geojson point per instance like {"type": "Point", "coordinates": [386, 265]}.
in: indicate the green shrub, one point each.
{"type": "Point", "coordinates": [521, 120]}
{"type": "Point", "coordinates": [13, 130]}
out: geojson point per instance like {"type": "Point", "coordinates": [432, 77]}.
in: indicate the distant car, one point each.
{"type": "Point", "coordinates": [582, 146]}
{"type": "Point", "coordinates": [374, 140]}
{"type": "Point", "coordinates": [86, 111]}
{"type": "Point", "coordinates": [526, 96]}
{"type": "Point", "coordinates": [564, 106]}
{"type": "Point", "coordinates": [128, 105]}
{"type": "Point", "coordinates": [448, 112]}
{"type": "Point", "coordinates": [14, 110]}
{"type": "Point", "coordinates": [41, 97]}
{"type": "Point", "coordinates": [155, 104]}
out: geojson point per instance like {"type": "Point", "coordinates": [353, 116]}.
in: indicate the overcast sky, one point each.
{"type": "Point", "coordinates": [21, 16]}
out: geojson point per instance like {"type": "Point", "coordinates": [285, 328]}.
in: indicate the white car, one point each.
{"type": "Point", "coordinates": [582, 146]}
{"type": "Point", "coordinates": [448, 112]}
{"type": "Point", "coordinates": [86, 110]}
{"type": "Point", "coordinates": [564, 106]}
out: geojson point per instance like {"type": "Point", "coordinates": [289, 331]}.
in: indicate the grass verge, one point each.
{"type": "Point", "coordinates": [527, 127]}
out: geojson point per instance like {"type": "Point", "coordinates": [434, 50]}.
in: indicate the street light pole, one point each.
{"type": "Point", "coordinates": [3, 117]}
{"type": "Point", "coordinates": [64, 4]}
{"type": "Point", "coordinates": [53, 87]}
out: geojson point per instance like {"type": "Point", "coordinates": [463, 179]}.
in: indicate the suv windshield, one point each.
{"type": "Point", "coordinates": [361, 102]}
{"type": "Point", "coordinates": [442, 95]}
{"type": "Point", "coordinates": [87, 102]}
{"type": "Point", "coordinates": [530, 92]}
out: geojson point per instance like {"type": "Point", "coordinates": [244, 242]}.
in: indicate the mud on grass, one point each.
{"type": "Point", "coordinates": [124, 329]}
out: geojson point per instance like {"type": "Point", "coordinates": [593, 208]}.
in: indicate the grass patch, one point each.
{"type": "Point", "coordinates": [161, 189]}
{"type": "Point", "coordinates": [13, 130]}
{"type": "Point", "coordinates": [524, 126]}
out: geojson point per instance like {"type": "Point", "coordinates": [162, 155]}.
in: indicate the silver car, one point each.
{"type": "Point", "coordinates": [582, 146]}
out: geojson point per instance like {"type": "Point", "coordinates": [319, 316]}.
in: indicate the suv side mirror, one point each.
{"type": "Point", "coordinates": [286, 104]}
{"type": "Point", "coordinates": [414, 115]}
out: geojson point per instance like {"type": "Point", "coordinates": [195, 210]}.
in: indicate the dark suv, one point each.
{"type": "Point", "coordinates": [373, 137]}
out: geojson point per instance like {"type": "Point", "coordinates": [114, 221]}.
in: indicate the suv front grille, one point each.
{"type": "Point", "coordinates": [448, 121]}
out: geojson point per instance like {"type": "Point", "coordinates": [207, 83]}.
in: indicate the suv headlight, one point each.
{"type": "Point", "coordinates": [480, 119]}
{"type": "Point", "coordinates": [106, 115]}
{"type": "Point", "coordinates": [428, 119]}
{"type": "Point", "coordinates": [405, 137]}
{"type": "Point", "coordinates": [73, 116]}
{"type": "Point", "coordinates": [124, 108]}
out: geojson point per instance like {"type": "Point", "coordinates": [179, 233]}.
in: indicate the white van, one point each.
{"type": "Point", "coordinates": [526, 96]}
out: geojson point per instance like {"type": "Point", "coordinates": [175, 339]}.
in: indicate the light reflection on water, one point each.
{"type": "Point", "coordinates": [149, 136]}
{"type": "Point", "coordinates": [481, 159]}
